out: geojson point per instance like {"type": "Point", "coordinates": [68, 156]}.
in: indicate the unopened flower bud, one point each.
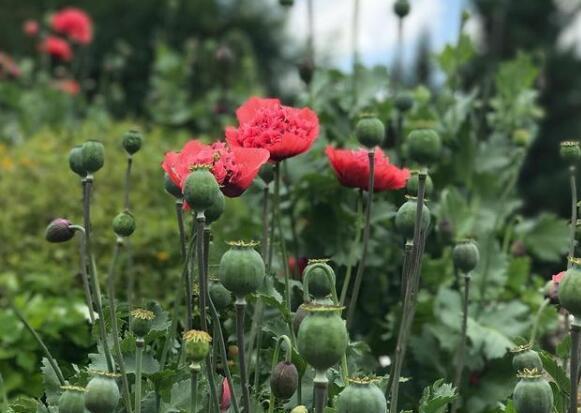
{"type": "Point", "coordinates": [93, 156]}
{"type": "Point", "coordinates": [132, 141]}
{"type": "Point", "coordinates": [284, 380]}
{"type": "Point", "coordinates": [141, 321]}
{"type": "Point", "coordinates": [124, 224]}
{"type": "Point", "coordinates": [401, 8]}
{"type": "Point", "coordinates": [518, 248]}
{"type": "Point", "coordinates": [424, 146]}
{"type": "Point", "coordinates": [171, 188]}
{"type": "Point", "coordinates": [370, 131]}
{"type": "Point", "coordinates": [300, 409]}
{"type": "Point", "coordinates": [76, 161]}
{"type": "Point", "coordinates": [59, 230]}
{"type": "Point", "coordinates": [570, 151]}
{"type": "Point", "coordinates": [221, 297]}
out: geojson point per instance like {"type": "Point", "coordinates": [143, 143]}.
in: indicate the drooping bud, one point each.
{"type": "Point", "coordinates": [226, 396]}
{"type": "Point", "coordinates": [72, 400]}
{"type": "Point", "coordinates": [466, 256]}
{"type": "Point", "coordinates": [171, 188]}
{"type": "Point", "coordinates": [76, 161]}
{"type": "Point", "coordinates": [424, 146]}
{"type": "Point", "coordinates": [59, 230]}
{"type": "Point", "coordinates": [102, 393]}
{"type": "Point", "coordinates": [413, 184]}
{"type": "Point", "coordinates": [141, 321]}
{"type": "Point", "coordinates": [570, 151]}
{"type": "Point", "coordinates": [124, 224]}
{"type": "Point", "coordinates": [93, 156]}
{"type": "Point", "coordinates": [217, 209]}
{"type": "Point", "coordinates": [197, 346]}
{"type": "Point", "coordinates": [405, 218]}
{"type": "Point", "coordinates": [404, 102]}
{"type": "Point", "coordinates": [201, 188]}
{"type": "Point", "coordinates": [132, 141]}
{"type": "Point", "coordinates": [370, 131]}
{"type": "Point", "coordinates": [284, 380]}
{"type": "Point", "coordinates": [401, 8]}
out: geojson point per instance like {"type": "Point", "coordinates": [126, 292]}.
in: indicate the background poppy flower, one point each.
{"type": "Point", "coordinates": [56, 47]}
{"type": "Point", "coordinates": [282, 130]}
{"type": "Point", "coordinates": [233, 168]}
{"type": "Point", "coordinates": [352, 169]}
{"type": "Point", "coordinates": [30, 28]}
{"type": "Point", "coordinates": [74, 23]}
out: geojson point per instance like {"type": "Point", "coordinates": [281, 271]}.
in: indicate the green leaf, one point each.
{"type": "Point", "coordinates": [556, 372]}
{"type": "Point", "coordinates": [52, 387]}
{"type": "Point", "coordinates": [149, 364]}
{"type": "Point", "coordinates": [546, 237]}
{"type": "Point", "coordinates": [436, 397]}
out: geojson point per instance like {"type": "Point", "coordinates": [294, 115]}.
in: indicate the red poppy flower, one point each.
{"type": "Point", "coordinates": [234, 168]}
{"type": "Point", "coordinates": [74, 23]}
{"type": "Point", "coordinates": [557, 278]}
{"type": "Point", "coordinates": [30, 28]}
{"type": "Point", "coordinates": [352, 169]}
{"type": "Point", "coordinates": [56, 47]}
{"type": "Point", "coordinates": [297, 267]}
{"type": "Point", "coordinates": [68, 86]}
{"type": "Point", "coordinates": [8, 68]}
{"type": "Point", "coordinates": [282, 130]}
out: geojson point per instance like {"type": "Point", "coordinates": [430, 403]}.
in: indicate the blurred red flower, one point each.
{"type": "Point", "coordinates": [557, 278]}
{"type": "Point", "coordinates": [264, 123]}
{"type": "Point", "coordinates": [30, 28]}
{"type": "Point", "coordinates": [56, 47]}
{"type": "Point", "coordinates": [8, 68]}
{"type": "Point", "coordinates": [74, 23]}
{"type": "Point", "coordinates": [297, 268]}
{"type": "Point", "coordinates": [68, 86]}
{"type": "Point", "coordinates": [234, 168]}
{"type": "Point", "coordinates": [352, 169]}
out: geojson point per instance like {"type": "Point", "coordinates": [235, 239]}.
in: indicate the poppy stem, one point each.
{"type": "Point", "coordinates": [139, 343]}
{"type": "Point", "coordinates": [574, 366]}
{"type": "Point", "coordinates": [540, 311]}
{"type": "Point", "coordinates": [84, 276]}
{"type": "Point", "coordinates": [366, 232]}
{"type": "Point", "coordinates": [194, 390]}
{"type": "Point", "coordinates": [347, 280]}
{"type": "Point", "coordinates": [320, 389]}
{"type": "Point", "coordinates": [240, 310]}
{"type": "Point", "coordinates": [202, 277]}
{"type": "Point", "coordinates": [127, 202]}
{"type": "Point", "coordinates": [355, 49]}
{"type": "Point", "coordinates": [573, 224]}
{"type": "Point", "coordinates": [462, 345]}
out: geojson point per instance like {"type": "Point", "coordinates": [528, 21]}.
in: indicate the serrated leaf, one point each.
{"type": "Point", "coordinates": [546, 237]}
{"type": "Point", "coordinates": [436, 397]}
{"type": "Point", "coordinates": [149, 364]}
{"type": "Point", "coordinates": [51, 383]}
{"type": "Point", "coordinates": [555, 371]}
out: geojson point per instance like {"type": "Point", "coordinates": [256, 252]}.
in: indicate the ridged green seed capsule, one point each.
{"type": "Point", "coordinates": [525, 358]}
{"type": "Point", "coordinates": [570, 289]}
{"type": "Point", "coordinates": [405, 218]}
{"type": "Point", "coordinates": [59, 230]}
{"type": "Point", "coordinates": [141, 321]}
{"type": "Point", "coordinates": [201, 189]}
{"type": "Point", "coordinates": [570, 151]}
{"type": "Point", "coordinates": [401, 8]}
{"type": "Point", "coordinates": [171, 188]}
{"type": "Point", "coordinates": [241, 269]}
{"type": "Point", "coordinates": [72, 400]}
{"type": "Point", "coordinates": [322, 338]}
{"type": "Point", "coordinates": [466, 256]}
{"type": "Point", "coordinates": [76, 161]}
{"type": "Point", "coordinates": [413, 184]}
{"type": "Point", "coordinates": [124, 224]}
{"type": "Point", "coordinates": [284, 380]}
{"type": "Point", "coordinates": [102, 393]}
{"type": "Point", "coordinates": [132, 141]}
{"type": "Point", "coordinates": [93, 156]}
{"type": "Point", "coordinates": [532, 394]}
{"type": "Point", "coordinates": [197, 346]}
{"type": "Point", "coordinates": [424, 146]}
{"type": "Point", "coordinates": [217, 209]}
{"type": "Point", "coordinates": [320, 277]}
{"type": "Point", "coordinates": [370, 131]}
{"type": "Point", "coordinates": [404, 102]}
{"type": "Point", "coordinates": [361, 396]}
{"type": "Point", "coordinates": [221, 297]}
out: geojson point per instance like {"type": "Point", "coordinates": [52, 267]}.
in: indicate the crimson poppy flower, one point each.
{"type": "Point", "coordinates": [352, 169]}
{"type": "Point", "coordinates": [234, 168]}
{"type": "Point", "coordinates": [30, 28]}
{"type": "Point", "coordinates": [56, 47]}
{"type": "Point", "coordinates": [557, 278]}
{"type": "Point", "coordinates": [283, 130]}
{"type": "Point", "coordinates": [74, 23]}
{"type": "Point", "coordinates": [297, 266]}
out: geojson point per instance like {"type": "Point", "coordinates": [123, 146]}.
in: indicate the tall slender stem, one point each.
{"type": "Point", "coordinates": [462, 345]}
{"type": "Point", "coordinates": [398, 60]}
{"type": "Point", "coordinates": [94, 276]}
{"type": "Point", "coordinates": [84, 276]}
{"type": "Point", "coordinates": [47, 354]}
{"type": "Point", "coordinates": [407, 261]}
{"type": "Point", "coordinates": [194, 391]}
{"type": "Point", "coordinates": [347, 280]}
{"type": "Point", "coordinates": [240, 310]}
{"type": "Point", "coordinates": [366, 232]}
{"type": "Point", "coordinates": [138, 363]}
{"type": "Point", "coordinates": [573, 224]}
{"type": "Point", "coordinates": [355, 49]}
{"type": "Point", "coordinates": [127, 202]}
{"type": "Point", "coordinates": [320, 390]}
{"type": "Point", "coordinates": [575, 329]}
{"type": "Point", "coordinates": [202, 279]}
{"type": "Point", "coordinates": [4, 400]}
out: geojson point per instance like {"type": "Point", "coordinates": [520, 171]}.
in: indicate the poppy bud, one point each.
{"type": "Point", "coordinates": [241, 268]}
{"type": "Point", "coordinates": [521, 137]}
{"type": "Point", "coordinates": [532, 394]}
{"type": "Point", "coordinates": [405, 218]}
{"type": "Point", "coordinates": [93, 156]}
{"type": "Point", "coordinates": [72, 400]}
{"type": "Point", "coordinates": [306, 70]}
{"type": "Point", "coordinates": [300, 409]}
{"type": "Point", "coordinates": [226, 397]}
{"type": "Point", "coordinates": [102, 393]}
{"type": "Point", "coordinates": [76, 161]}
{"type": "Point", "coordinates": [401, 8]}
{"type": "Point", "coordinates": [465, 256]}
{"type": "Point", "coordinates": [132, 141]}
{"type": "Point", "coordinates": [526, 358]}
{"type": "Point", "coordinates": [200, 188]}
{"type": "Point", "coordinates": [362, 395]}
{"type": "Point", "coordinates": [518, 248]}
{"type": "Point", "coordinates": [171, 188]}
{"type": "Point", "coordinates": [124, 224]}
{"type": "Point", "coordinates": [569, 288]}
{"type": "Point", "coordinates": [216, 209]}
{"type": "Point", "coordinates": [59, 230]}
{"type": "Point", "coordinates": [424, 146]}
{"type": "Point", "coordinates": [266, 172]}
{"type": "Point", "coordinates": [284, 380]}
{"type": "Point", "coordinates": [197, 346]}
{"type": "Point", "coordinates": [321, 278]}
{"type": "Point", "coordinates": [221, 297]}
{"type": "Point", "coordinates": [286, 3]}
{"type": "Point", "coordinates": [570, 151]}
{"type": "Point", "coordinates": [413, 183]}
{"type": "Point", "coordinates": [141, 321]}
{"type": "Point", "coordinates": [404, 102]}
{"type": "Point", "coordinates": [370, 131]}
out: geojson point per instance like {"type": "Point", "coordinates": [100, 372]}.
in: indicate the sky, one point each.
{"type": "Point", "coordinates": [378, 28]}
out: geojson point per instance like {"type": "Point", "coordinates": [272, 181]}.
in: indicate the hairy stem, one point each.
{"type": "Point", "coordinates": [240, 310]}
{"type": "Point", "coordinates": [366, 232]}
{"type": "Point", "coordinates": [138, 362]}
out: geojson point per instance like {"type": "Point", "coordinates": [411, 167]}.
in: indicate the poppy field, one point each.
{"type": "Point", "coordinates": [198, 235]}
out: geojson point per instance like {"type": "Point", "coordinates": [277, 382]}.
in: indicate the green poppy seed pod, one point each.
{"type": "Point", "coordinates": [404, 102]}
{"type": "Point", "coordinates": [266, 172]}
{"type": "Point", "coordinates": [197, 346]}
{"type": "Point", "coordinates": [413, 183]}
{"type": "Point", "coordinates": [424, 146]}
{"type": "Point", "coordinates": [300, 409]}
{"type": "Point", "coordinates": [532, 394]}
{"type": "Point", "coordinates": [216, 209]}
{"type": "Point", "coordinates": [72, 400]}
{"type": "Point", "coordinates": [93, 156]}
{"type": "Point", "coordinates": [320, 278]}
{"type": "Point", "coordinates": [405, 218]}
{"type": "Point", "coordinates": [570, 289]}
{"type": "Point", "coordinates": [241, 268]}
{"type": "Point", "coordinates": [201, 188]}
{"type": "Point", "coordinates": [59, 230]}
{"type": "Point", "coordinates": [322, 338]}
{"type": "Point", "coordinates": [286, 3]}
{"type": "Point", "coordinates": [284, 380]}
{"type": "Point", "coordinates": [132, 141]}
{"type": "Point", "coordinates": [370, 131]}
{"type": "Point", "coordinates": [171, 188]}
{"type": "Point", "coordinates": [570, 151]}
{"type": "Point", "coordinates": [76, 161]}
{"type": "Point", "coordinates": [521, 137]}
{"type": "Point", "coordinates": [124, 224]}
{"type": "Point", "coordinates": [401, 8]}
{"type": "Point", "coordinates": [102, 393]}
{"type": "Point", "coordinates": [141, 321]}
{"type": "Point", "coordinates": [221, 297]}
{"type": "Point", "coordinates": [524, 357]}
{"type": "Point", "coordinates": [362, 395]}
{"type": "Point", "coordinates": [466, 256]}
